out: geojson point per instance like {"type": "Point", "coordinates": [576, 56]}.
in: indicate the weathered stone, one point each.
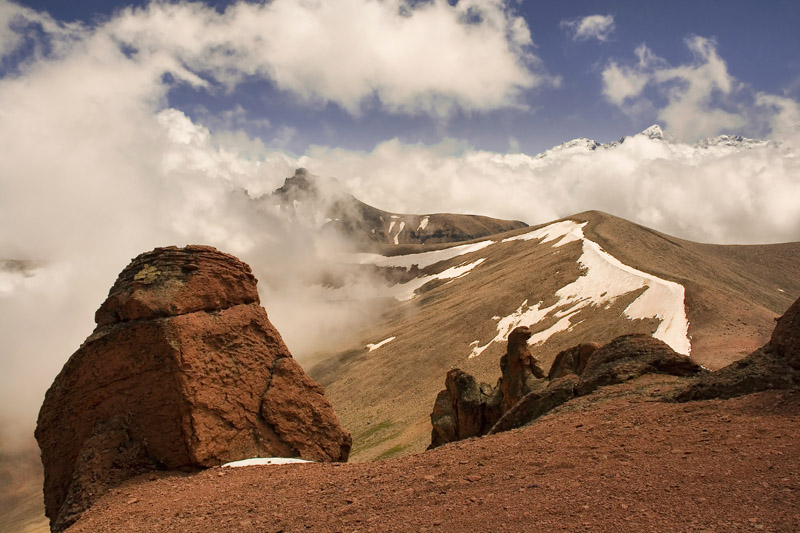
{"type": "Point", "coordinates": [571, 361]}
{"type": "Point", "coordinates": [520, 369]}
{"type": "Point", "coordinates": [775, 365]}
{"type": "Point", "coordinates": [537, 403]}
{"type": "Point", "coordinates": [630, 356]}
{"type": "Point", "coordinates": [183, 372]}
{"type": "Point", "coordinates": [785, 340]}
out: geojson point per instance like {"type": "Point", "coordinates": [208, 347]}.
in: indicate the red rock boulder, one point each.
{"type": "Point", "coordinates": [184, 371]}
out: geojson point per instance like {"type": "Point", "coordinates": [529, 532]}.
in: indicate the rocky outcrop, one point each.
{"type": "Point", "coordinates": [467, 409]}
{"type": "Point", "coordinates": [775, 365]}
{"type": "Point", "coordinates": [537, 403]}
{"type": "Point", "coordinates": [630, 356]}
{"type": "Point", "coordinates": [463, 409]}
{"type": "Point", "coordinates": [785, 340]}
{"type": "Point", "coordinates": [520, 369]}
{"type": "Point", "coordinates": [523, 393]}
{"type": "Point", "coordinates": [571, 361]}
{"type": "Point", "coordinates": [184, 371]}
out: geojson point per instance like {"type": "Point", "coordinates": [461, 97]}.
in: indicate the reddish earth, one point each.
{"type": "Point", "coordinates": [620, 461]}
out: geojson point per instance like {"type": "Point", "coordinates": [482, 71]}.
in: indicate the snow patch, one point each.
{"type": "Point", "coordinates": [567, 230]}
{"type": "Point", "coordinates": [372, 347]}
{"type": "Point", "coordinates": [422, 260]}
{"type": "Point", "coordinates": [605, 279]}
{"type": "Point", "coordinates": [396, 235]}
{"type": "Point", "coordinates": [261, 461]}
{"type": "Point", "coordinates": [423, 224]}
{"type": "Point", "coordinates": [405, 291]}
{"type": "Point", "coordinates": [391, 225]}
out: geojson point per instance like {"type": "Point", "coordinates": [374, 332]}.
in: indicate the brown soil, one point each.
{"type": "Point", "coordinates": [615, 461]}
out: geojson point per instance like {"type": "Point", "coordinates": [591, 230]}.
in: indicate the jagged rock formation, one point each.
{"type": "Point", "coordinates": [324, 203]}
{"type": "Point", "coordinates": [463, 409]}
{"type": "Point", "coordinates": [467, 409]}
{"type": "Point", "coordinates": [524, 394]}
{"type": "Point", "coordinates": [521, 371]}
{"type": "Point", "coordinates": [630, 356]}
{"type": "Point", "coordinates": [775, 365]}
{"type": "Point", "coordinates": [184, 371]}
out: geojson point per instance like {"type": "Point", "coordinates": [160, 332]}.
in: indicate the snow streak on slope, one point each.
{"type": "Point", "coordinates": [405, 291]}
{"type": "Point", "coordinates": [422, 260]}
{"type": "Point", "coordinates": [374, 346]}
{"type": "Point", "coordinates": [605, 279]}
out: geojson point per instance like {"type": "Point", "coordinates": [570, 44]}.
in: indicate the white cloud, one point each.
{"type": "Point", "coordinates": [697, 99]}
{"type": "Point", "coordinates": [711, 195]}
{"type": "Point", "coordinates": [598, 27]}
{"type": "Point", "coordinates": [421, 60]}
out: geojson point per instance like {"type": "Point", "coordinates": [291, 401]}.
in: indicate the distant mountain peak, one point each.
{"type": "Point", "coordinates": [654, 132]}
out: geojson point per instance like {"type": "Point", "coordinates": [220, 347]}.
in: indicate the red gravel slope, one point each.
{"type": "Point", "coordinates": [617, 460]}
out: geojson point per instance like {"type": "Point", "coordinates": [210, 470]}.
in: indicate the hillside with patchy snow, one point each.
{"type": "Point", "coordinates": [587, 278]}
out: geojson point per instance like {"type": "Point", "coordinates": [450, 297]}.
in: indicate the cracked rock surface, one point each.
{"type": "Point", "coordinates": [183, 372]}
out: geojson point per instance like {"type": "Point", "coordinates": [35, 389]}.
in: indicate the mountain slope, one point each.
{"type": "Point", "coordinates": [623, 463]}
{"type": "Point", "coordinates": [560, 280]}
{"type": "Point", "coordinates": [326, 204]}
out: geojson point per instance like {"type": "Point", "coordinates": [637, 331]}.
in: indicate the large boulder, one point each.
{"type": "Point", "coordinates": [785, 340]}
{"type": "Point", "coordinates": [776, 365]}
{"type": "Point", "coordinates": [630, 356]}
{"type": "Point", "coordinates": [184, 371]}
{"type": "Point", "coordinates": [572, 360]}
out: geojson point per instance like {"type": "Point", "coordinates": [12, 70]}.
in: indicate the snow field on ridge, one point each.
{"type": "Point", "coordinates": [605, 279]}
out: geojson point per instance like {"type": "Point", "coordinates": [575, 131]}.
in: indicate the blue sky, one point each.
{"type": "Point", "coordinates": [757, 41]}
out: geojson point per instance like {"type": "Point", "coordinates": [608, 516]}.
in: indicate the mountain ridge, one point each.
{"type": "Point", "coordinates": [730, 313]}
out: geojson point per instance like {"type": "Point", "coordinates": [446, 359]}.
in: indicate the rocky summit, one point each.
{"type": "Point", "coordinates": [183, 372]}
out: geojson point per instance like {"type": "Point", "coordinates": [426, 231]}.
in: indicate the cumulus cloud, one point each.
{"type": "Point", "coordinates": [621, 83]}
{"type": "Point", "coordinates": [598, 27]}
{"type": "Point", "coordinates": [432, 58]}
{"type": "Point", "coordinates": [694, 100]}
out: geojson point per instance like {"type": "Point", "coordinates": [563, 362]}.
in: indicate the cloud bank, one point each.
{"type": "Point", "coordinates": [430, 58]}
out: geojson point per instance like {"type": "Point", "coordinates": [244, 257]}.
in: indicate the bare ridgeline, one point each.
{"type": "Point", "coordinates": [184, 372]}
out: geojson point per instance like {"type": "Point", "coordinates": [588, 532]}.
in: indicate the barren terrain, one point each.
{"type": "Point", "coordinates": [620, 462]}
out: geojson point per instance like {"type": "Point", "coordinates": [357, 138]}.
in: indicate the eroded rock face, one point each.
{"type": "Point", "coordinates": [467, 409]}
{"type": "Point", "coordinates": [463, 409]}
{"type": "Point", "coordinates": [184, 371]}
{"type": "Point", "coordinates": [630, 356]}
{"type": "Point", "coordinates": [520, 369]}
{"type": "Point", "coordinates": [523, 394]}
